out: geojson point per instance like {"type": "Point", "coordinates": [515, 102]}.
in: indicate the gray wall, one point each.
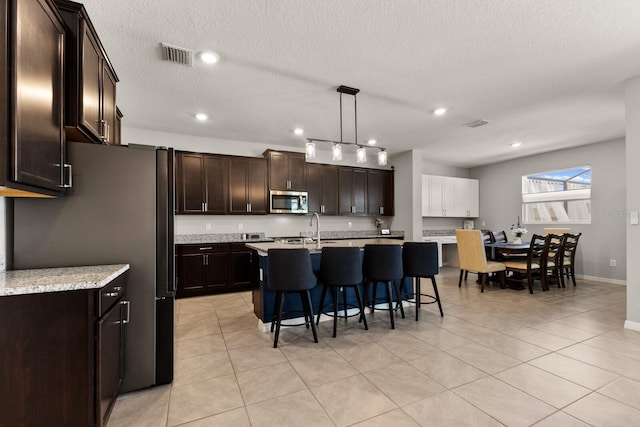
{"type": "Point", "coordinates": [632, 100]}
{"type": "Point", "coordinates": [604, 238]}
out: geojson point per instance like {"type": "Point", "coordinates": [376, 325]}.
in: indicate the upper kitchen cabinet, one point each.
{"type": "Point", "coordinates": [90, 106]}
{"type": "Point", "coordinates": [322, 185]}
{"type": "Point", "coordinates": [202, 186]}
{"type": "Point", "coordinates": [32, 149]}
{"type": "Point", "coordinates": [287, 170]}
{"type": "Point", "coordinates": [352, 196]}
{"type": "Point", "coordinates": [450, 196]}
{"type": "Point", "coordinates": [380, 192]}
{"type": "Point", "coordinates": [247, 185]}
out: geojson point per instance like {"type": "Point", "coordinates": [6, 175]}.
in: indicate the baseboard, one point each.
{"type": "Point", "coordinates": [602, 279]}
{"type": "Point", "coordinates": [634, 326]}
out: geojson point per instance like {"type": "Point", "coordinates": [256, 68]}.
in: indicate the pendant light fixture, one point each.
{"type": "Point", "coordinates": [336, 150]}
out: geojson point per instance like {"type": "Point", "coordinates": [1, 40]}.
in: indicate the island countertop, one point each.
{"type": "Point", "coordinates": [43, 280]}
{"type": "Point", "coordinates": [262, 248]}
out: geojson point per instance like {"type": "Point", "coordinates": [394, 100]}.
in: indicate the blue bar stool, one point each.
{"type": "Point", "coordinates": [341, 269]}
{"type": "Point", "coordinates": [289, 270]}
{"type": "Point", "coordinates": [383, 263]}
{"type": "Point", "coordinates": [420, 259]}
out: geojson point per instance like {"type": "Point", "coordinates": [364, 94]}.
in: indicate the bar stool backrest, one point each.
{"type": "Point", "coordinates": [420, 259]}
{"type": "Point", "coordinates": [341, 266]}
{"type": "Point", "coordinates": [382, 262]}
{"type": "Point", "coordinates": [290, 270]}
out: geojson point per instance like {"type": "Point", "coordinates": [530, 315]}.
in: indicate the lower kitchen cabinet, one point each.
{"type": "Point", "coordinates": [215, 268]}
{"type": "Point", "coordinates": [61, 362]}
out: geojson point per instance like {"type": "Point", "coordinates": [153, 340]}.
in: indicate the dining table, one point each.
{"type": "Point", "coordinates": [507, 249]}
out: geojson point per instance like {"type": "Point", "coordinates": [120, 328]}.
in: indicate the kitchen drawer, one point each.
{"type": "Point", "coordinates": [111, 293]}
{"type": "Point", "coordinates": [203, 248]}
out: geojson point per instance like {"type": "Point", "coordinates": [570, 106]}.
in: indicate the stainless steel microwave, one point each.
{"type": "Point", "coordinates": [294, 202]}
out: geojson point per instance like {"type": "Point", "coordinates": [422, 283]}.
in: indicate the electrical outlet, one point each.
{"type": "Point", "coordinates": [484, 224]}
{"type": "Point", "coordinates": [208, 226]}
{"type": "Point", "coordinates": [240, 226]}
{"type": "Point", "coordinates": [612, 263]}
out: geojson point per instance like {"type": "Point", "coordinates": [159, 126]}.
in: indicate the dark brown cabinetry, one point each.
{"type": "Point", "coordinates": [287, 170]}
{"type": "Point", "coordinates": [90, 105]}
{"type": "Point", "coordinates": [247, 185]}
{"type": "Point", "coordinates": [380, 192]}
{"type": "Point", "coordinates": [352, 191]}
{"type": "Point", "coordinates": [63, 365]}
{"type": "Point", "coordinates": [322, 185]}
{"type": "Point", "coordinates": [212, 268]}
{"type": "Point", "coordinates": [202, 183]}
{"type": "Point", "coordinates": [32, 153]}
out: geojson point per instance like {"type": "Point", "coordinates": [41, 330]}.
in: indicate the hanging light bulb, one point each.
{"type": "Point", "coordinates": [361, 155]}
{"type": "Point", "coordinates": [382, 158]}
{"type": "Point", "coordinates": [311, 151]}
{"type": "Point", "coordinates": [336, 152]}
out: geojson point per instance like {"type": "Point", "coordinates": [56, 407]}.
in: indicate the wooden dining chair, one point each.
{"type": "Point", "coordinates": [499, 236]}
{"type": "Point", "coordinates": [531, 266]}
{"type": "Point", "coordinates": [551, 258]}
{"type": "Point", "coordinates": [472, 255]}
{"type": "Point", "coordinates": [568, 257]}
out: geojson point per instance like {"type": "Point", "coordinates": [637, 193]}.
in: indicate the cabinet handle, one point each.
{"type": "Point", "coordinates": [353, 209]}
{"type": "Point", "coordinates": [381, 210]}
{"type": "Point", "coordinates": [249, 207]}
{"type": "Point", "coordinates": [127, 305]}
{"type": "Point", "coordinates": [107, 128]}
{"type": "Point", "coordinates": [208, 248]}
{"type": "Point", "coordinates": [288, 185]}
{"type": "Point", "coordinates": [206, 206]}
{"type": "Point", "coordinates": [112, 294]}
{"type": "Point", "coordinates": [202, 207]}
{"type": "Point", "coordinates": [321, 208]}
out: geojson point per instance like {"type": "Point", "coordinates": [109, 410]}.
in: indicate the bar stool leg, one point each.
{"type": "Point", "coordinates": [336, 289]}
{"type": "Point", "coordinates": [306, 301]}
{"type": "Point", "coordinates": [363, 318]}
{"type": "Point", "coordinates": [391, 313]}
{"type": "Point", "coordinates": [417, 297]}
{"type": "Point", "coordinates": [276, 307]}
{"type": "Point", "coordinates": [435, 290]}
{"type": "Point", "coordinates": [279, 320]}
{"type": "Point", "coordinates": [399, 295]}
{"type": "Point", "coordinates": [321, 307]}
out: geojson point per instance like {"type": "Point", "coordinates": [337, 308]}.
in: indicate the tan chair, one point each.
{"type": "Point", "coordinates": [559, 231]}
{"type": "Point", "coordinates": [474, 258]}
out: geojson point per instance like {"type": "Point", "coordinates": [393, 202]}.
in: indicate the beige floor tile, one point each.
{"type": "Point", "coordinates": [542, 339]}
{"type": "Point", "coordinates": [513, 347]}
{"type": "Point", "coordinates": [197, 329]}
{"type": "Point", "coordinates": [304, 348]}
{"type": "Point", "coordinates": [601, 358]}
{"type": "Point", "coordinates": [483, 358]}
{"type": "Point", "coordinates": [624, 335]}
{"type": "Point", "coordinates": [565, 331]}
{"type": "Point", "coordinates": [561, 419]}
{"type": "Point", "coordinates": [246, 338]}
{"type": "Point", "coordinates": [406, 346]}
{"type": "Point", "coordinates": [573, 370]}
{"type": "Point", "coordinates": [504, 402]}
{"type": "Point", "coordinates": [395, 418]}
{"type": "Point", "coordinates": [271, 381]}
{"type": "Point", "coordinates": [232, 324]}
{"type": "Point", "coordinates": [256, 356]}
{"type": "Point", "coordinates": [469, 330]}
{"type": "Point", "coordinates": [197, 317]}
{"type": "Point", "coordinates": [323, 368]}
{"type": "Point", "coordinates": [193, 401]}
{"type": "Point", "coordinates": [446, 410]}
{"type": "Point", "coordinates": [206, 366]}
{"type": "Point", "coordinates": [439, 338]}
{"type": "Point", "coordinates": [402, 384]}
{"type": "Point", "coordinates": [194, 305]}
{"type": "Point", "coordinates": [236, 418]}
{"type": "Point", "coordinates": [622, 348]}
{"type": "Point", "coordinates": [599, 410]}
{"type": "Point", "coordinates": [363, 400]}
{"type": "Point", "coordinates": [543, 385]}
{"type": "Point", "coordinates": [147, 408]}
{"type": "Point", "coordinates": [193, 347]}
{"type": "Point", "coordinates": [366, 357]}
{"type": "Point", "coordinates": [624, 390]}
{"type": "Point", "coordinates": [447, 370]}
{"type": "Point", "coordinates": [294, 410]}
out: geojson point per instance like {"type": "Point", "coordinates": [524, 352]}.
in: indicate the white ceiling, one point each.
{"type": "Point", "coordinates": [549, 73]}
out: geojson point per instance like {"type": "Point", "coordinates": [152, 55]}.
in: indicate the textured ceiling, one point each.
{"type": "Point", "coordinates": [549, 73]}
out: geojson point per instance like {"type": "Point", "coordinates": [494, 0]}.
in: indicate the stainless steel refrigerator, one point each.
{"type": "Point", "coordinates": [120, 210]}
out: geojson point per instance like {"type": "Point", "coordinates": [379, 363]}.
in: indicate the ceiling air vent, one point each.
{"type": "Point", "coordinates": [476, 123]}
{"type": "Point", "coordinates": [176, 54]}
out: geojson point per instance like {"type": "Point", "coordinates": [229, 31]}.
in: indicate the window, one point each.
{"type": "Point", "coordinates": [557, 197]}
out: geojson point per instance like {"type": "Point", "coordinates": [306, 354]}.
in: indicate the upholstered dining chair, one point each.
{"type": "Point", "coordinates": [568, 257]}
{"type": "Point", "coordinates": [531, 266]}
{"type": "Point", "coordinates": [473, 257]}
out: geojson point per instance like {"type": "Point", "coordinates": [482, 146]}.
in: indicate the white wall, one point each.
{"type": "Point", "coordinates": [271, 225]}
{"type": "Point", "coordinates": [604, 238]}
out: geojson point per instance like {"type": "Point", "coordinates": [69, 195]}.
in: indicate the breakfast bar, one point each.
{"type": "Point", "coordinates": [264, 298]}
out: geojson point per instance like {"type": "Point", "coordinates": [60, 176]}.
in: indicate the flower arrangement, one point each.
{"type": "Point", "coordinates": [518, 231]}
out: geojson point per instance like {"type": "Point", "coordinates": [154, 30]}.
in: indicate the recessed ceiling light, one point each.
{"type": "Point", "coordinates": [298, 131]}
{"type": "Point", "coordinates": [372, 142]}
{"type": "Point", "coordinates": [516, 144]}
{"type": "Point", "coordinates": [439, 111]}
{"type": "Point", "coordinates": [209, 57]}
{"type": "Point", "coordinates": [201, 117]}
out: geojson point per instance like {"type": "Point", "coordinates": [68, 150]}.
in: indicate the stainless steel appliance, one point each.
{"type": "Point", "coordinates": [288, 202]}
{"type": "Point", "coordinates": [120, 210]}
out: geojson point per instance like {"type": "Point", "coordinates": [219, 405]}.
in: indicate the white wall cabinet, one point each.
{"type": "Point", "coordinates": [444, 196]}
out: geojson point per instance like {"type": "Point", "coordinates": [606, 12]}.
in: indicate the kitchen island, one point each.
{"type": "Point", "coordinates": [263, 297]}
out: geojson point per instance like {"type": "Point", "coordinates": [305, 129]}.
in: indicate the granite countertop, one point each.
{"type": "Point", "coordinates": [262, 248]}
{"type": "Point", "coordinates": [43, 280]}
{"type": "Point", "coordinates": [188, 239]}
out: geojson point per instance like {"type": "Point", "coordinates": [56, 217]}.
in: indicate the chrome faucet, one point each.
{"type": "Point", "coordinates": [315, 214]}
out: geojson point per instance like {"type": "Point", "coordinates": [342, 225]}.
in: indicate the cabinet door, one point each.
{"type": "Point", "coordinates": [109, 362]}
{"type": "Point", "coordinates": [215, 273]}
{"type": "Point", "coordinates": [329, 190]}
{"type": "Point", "coordinates": [388, 199]}
{"type": "Point", "coordinates": [297, 172]}
{"type": "Point", "coordinates": [467, 197]}
{"type": "Point", "coordinates": [426, 195]}
{"type": "Point", "coordinates": [375, 189]}
{"type": "Point", "coordinates": [191, 275]}
{"type": "Point", "coordinates": [37, 141]}
{"type": "Point", "coordinates": [257, 187]}
{"type": "Point", "coordinates": [215, 171]}
{"type": "Point", "coordinates": [242, 268]}
{"type": "Point", "coordinates": [314, 187]}
{"type": "Point", "coordinates": [278, 171]}
{"type": "Point", "coordinates": [91, 84]}
{"type": "Point", "coordinates": [449, 196]}
{"type": "Point", "coordinates": [345, 182]}
{"type": "Point", "coordinates": [360, 191]}
{"type": "Point", "coordinates": [190, 182]}
{"type": "Point", "coordinates": [108, 105]}
{"type": "Point", "coordinates": [238, 171]}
